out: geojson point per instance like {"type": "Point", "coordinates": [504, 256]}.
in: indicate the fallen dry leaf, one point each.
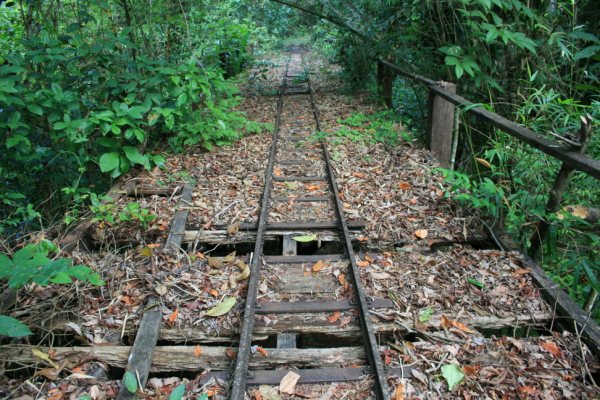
{"type": "Point", "coordinates": [233, 229]}
{"type": "Point", "coordinates": [288, 383]}
{"type": "Point", "coordinates": [448, 323]}
{"type": "Point", "coordinates": [342, 281]}
{"type": "Point", "coordinates": [198, 350]}
{"type": "Point", "coordinates": [173, 317]}
{"type": "Point", "coordinates": [399, 394]}
{"type": "Point", "coordinates": [363, 264]}
{"type": "Point", "coordinates": [421, 233]}
{"type": "Point", "coordinates": [551, 348]}
{"type": "Point", "coordinates": [318, 266]}
{"type": "Point", "coordinates": [262, 351]}
{"type": "Point", "coordinates": [522, 271]}
{"type": "Point", "coordinates": [404, 186]}
{"type": "Point", "coordinates": [229, 352]}
{"type": "Point", "coordinates": [334, 317]}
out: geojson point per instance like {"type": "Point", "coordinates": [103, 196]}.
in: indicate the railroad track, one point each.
{"type": "Point", "coordinates": [294, 148]}
{"type": "Point", "coordinates": [305, 302]}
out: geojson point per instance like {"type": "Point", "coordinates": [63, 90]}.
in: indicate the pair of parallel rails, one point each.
{"type": "Point", "coordinates": [241, 377]}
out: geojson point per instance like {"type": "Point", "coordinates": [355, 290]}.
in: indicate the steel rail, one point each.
{"type": "Point", "coordinates": [371, 347]}
{"type": "Point", "coordinates": [238, 388]}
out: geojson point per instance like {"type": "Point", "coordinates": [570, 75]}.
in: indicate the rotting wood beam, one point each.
{"type": "Point", "coordinates": [182, 358]}
{"type": "Point", "coordinates": [298, 324]}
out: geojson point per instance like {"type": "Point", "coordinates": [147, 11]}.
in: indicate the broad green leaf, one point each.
{"type": "Point", "coordinates": [305, 238]}
{"type": "Point", "coordinates": [453, 375]}
{"type": "Point", "coordinates": [34, 108]}
{"type": "Point", "coordinates": [178, 392]}
{"type": "Point", "coordinates": [133, 154]}
{"type": "Point", "coordinates": [587, 52]}
{"type": "Point", "coordinates": [203, 396]}
{"type": "Point", "coordinates": [425, 315]}
{"type": "Point", "coordinates": [130, 381]}
{"type": "Point", "coordinates": [182, 99]}
{"type": "Point", "coordinates": [222, 308]}
{"type": "Point", "coordinates": [475, 282]}
{"type": "Point", "coordinates": [61, 278]}
{"type": "Point", "coordinates": [12, 327]}
{"type": "Point", "coordinates": [109, 162]}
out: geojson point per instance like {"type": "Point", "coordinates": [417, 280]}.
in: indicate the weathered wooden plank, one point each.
{"type": "Point", "coordinates": [289, 246]}
{"type": "Point", "coordinates": [303, 259]}
{"type": "Point", "coordinates": [182, 358]}
{"type": "Point", "coordinates": [307, 324]}
{"type": "Point", "coordinates": [221, 236]}
{"type": "Point", "coordinates": [301, 199]}
{"type": "Point", "coordinates": [244, 226]}
{"type": "Point", "coordinates": [178, 224]}
{"type": "Point", "coordinates": [299, 178]}
{"type": "Point", "coordinates": [441, 126]}
{"type": "Point", "coordinates": [142, 352]}
{"type": "Point", "coordinates": [287, 340]}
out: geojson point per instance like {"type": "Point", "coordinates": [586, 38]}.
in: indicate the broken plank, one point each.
{"type": "Point", "coordinates": [177, 231]}
{"type": "Point", "coordinates": [142, 351]}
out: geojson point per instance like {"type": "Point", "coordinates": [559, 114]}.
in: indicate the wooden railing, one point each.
{"type": "Point", "coordinates": [441, 94]}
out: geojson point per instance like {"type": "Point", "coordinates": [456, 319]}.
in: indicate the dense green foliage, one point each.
{"type": "Point", "coordinates": [92, 92]}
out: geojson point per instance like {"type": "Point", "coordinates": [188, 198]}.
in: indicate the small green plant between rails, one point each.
{"type": "Point", "coordinates": [33, 265]}
{"type": "Point", "coordinates": [380, 127]}
{"type": "Point", "coordinates": [130, 381]}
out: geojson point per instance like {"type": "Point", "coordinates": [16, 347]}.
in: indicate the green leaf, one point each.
{"type": "Point", "coordinates": [182, 99]}
{"type": "Point", "coordinates": [133, 155]}
{"type": "Point", "coordinates": [305, 238]}
{"type": "Point", "coordinates": [109, 161]}
{"type": "Point", "coordinates": [425, 315]}
{"type": "Point", "coordinates": [34, 108]}
{"type": "Point", "coordinates": [453, 375]}
{"type": "Point", "coordinates": [12, 327]}
{"type": "Point", "coordinates": [459, 70]}
{"type": "Point", "coordinates": [203, 396]}
{"type": "Point", "coordinates": [587, 52]}
{"type": "Point", "coordinates": [222, 308]}
{"type": "Point", "coordinates": [130, 381]}
{"type": "Point", "coordinates": [178, 392]}
{"type": "Point", "coordinates": [475, 282]}
{"type": "Point", "coordinates": [61, 278]}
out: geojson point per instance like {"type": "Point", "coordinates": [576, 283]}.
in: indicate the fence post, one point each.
{"type": "Point", "coordinates": [441, 125]}
{"type": "Point", "coordinates": [559, 187]}
{"type": "Point", "coordinates": [385, 80]}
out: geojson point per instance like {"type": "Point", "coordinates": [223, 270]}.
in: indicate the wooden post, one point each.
{"type": "Point", "coordinates": [441, 125]}
{"type": "Point", "coordinates": [560, 185]}
{"type": "Point", "coordinates": [385, 81]}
